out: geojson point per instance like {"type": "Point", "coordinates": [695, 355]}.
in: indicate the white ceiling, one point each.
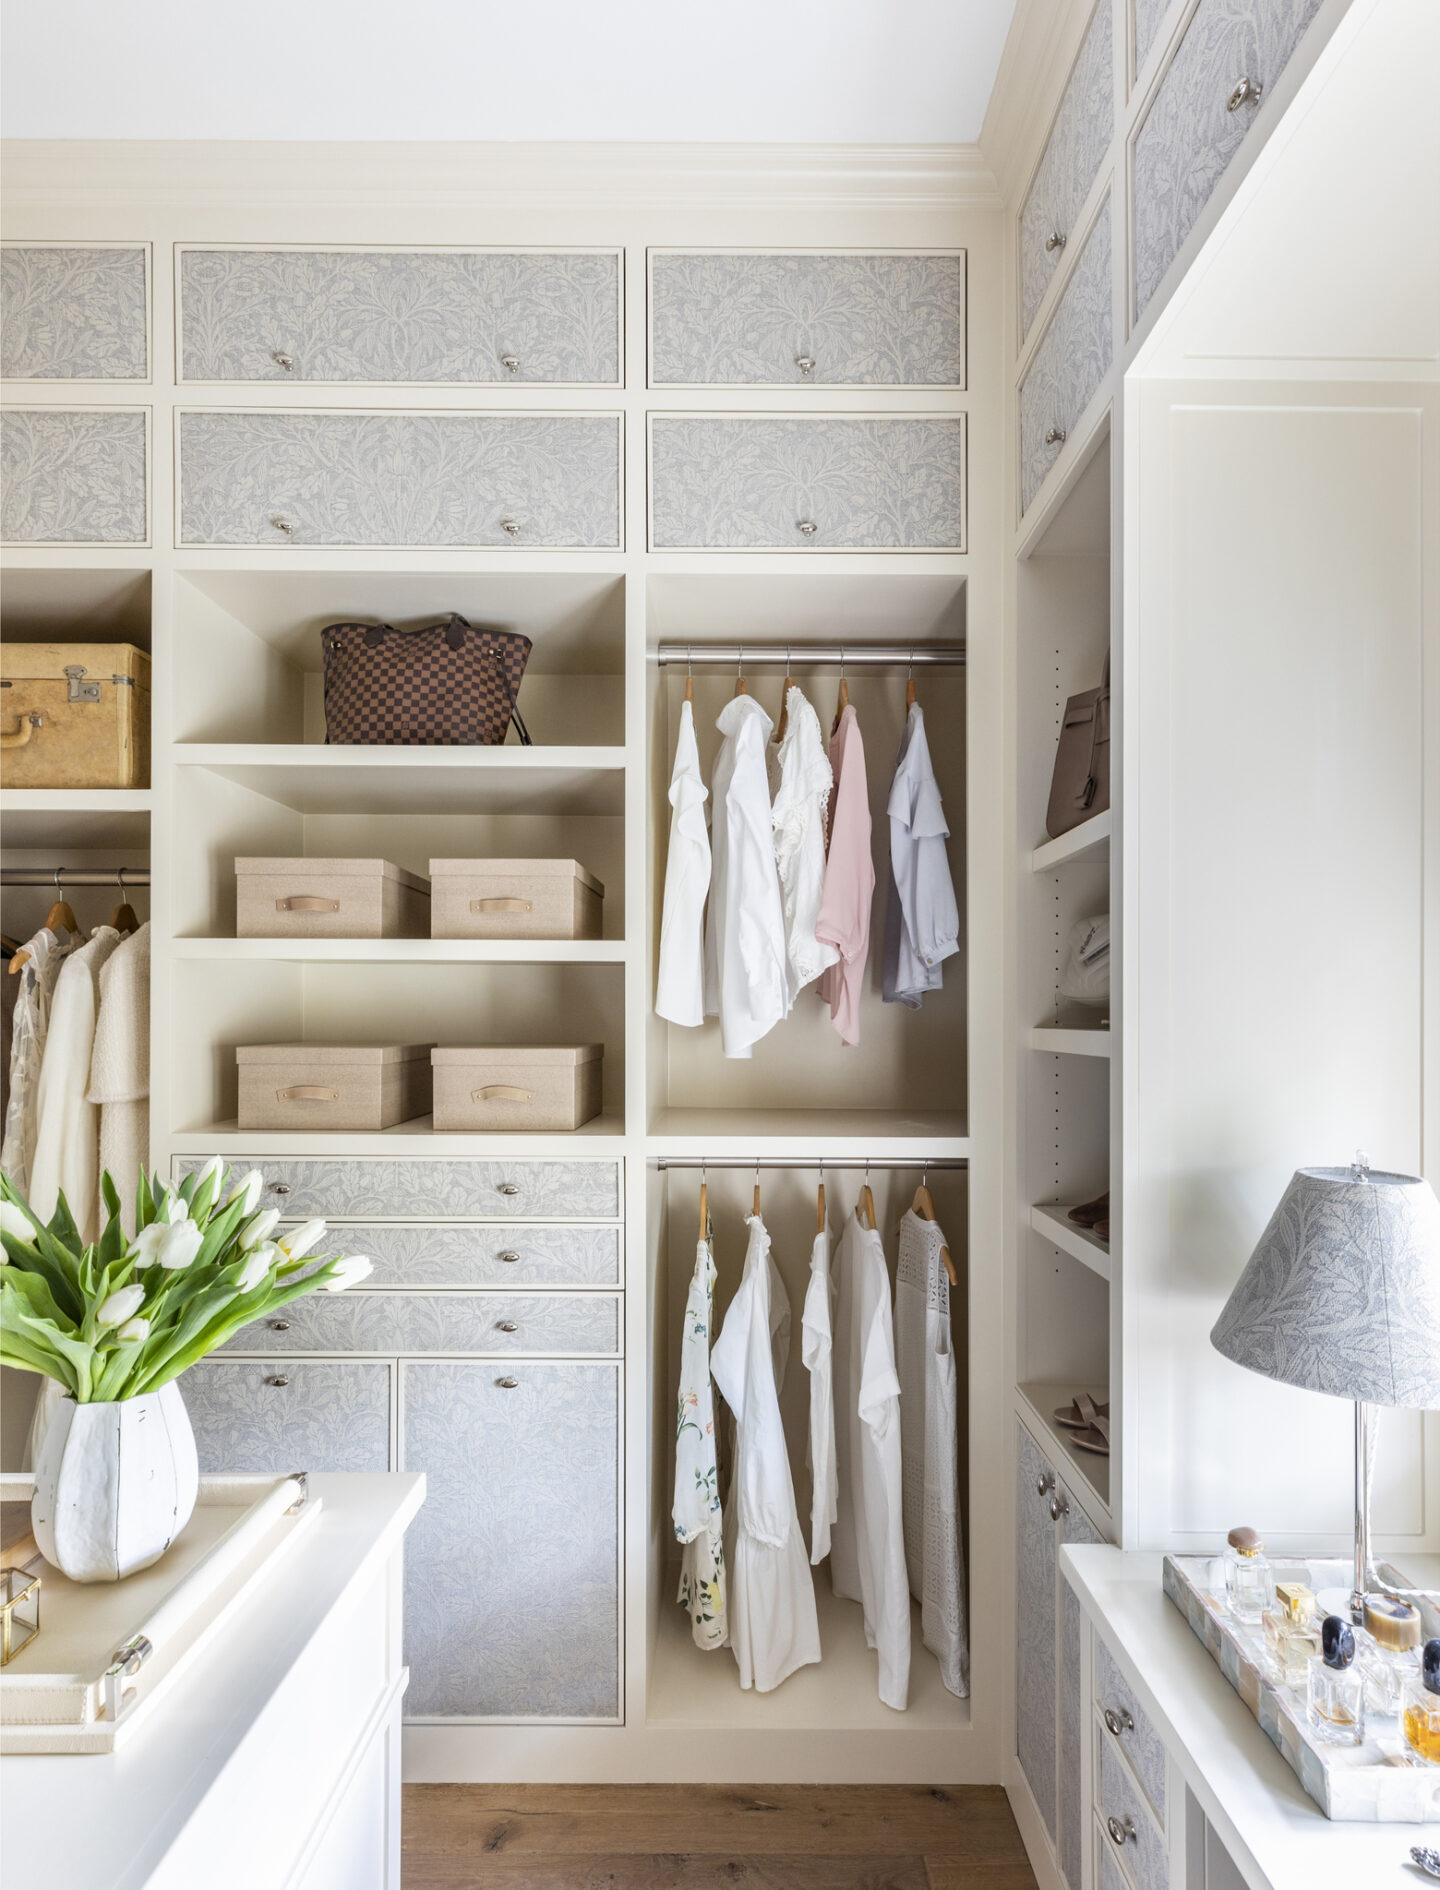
{"type": "Point", "coordinates": [767, 71]}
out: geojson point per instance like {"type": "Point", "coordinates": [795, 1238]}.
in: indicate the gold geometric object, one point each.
{"type": "Point", "coordinates": [19, 1612]}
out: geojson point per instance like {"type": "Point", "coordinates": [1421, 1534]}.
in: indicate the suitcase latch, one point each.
{"type": "Point", "coordinates": [77, 691]}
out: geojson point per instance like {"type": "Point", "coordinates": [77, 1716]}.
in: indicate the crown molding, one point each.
{"type": "Point", "coordinates": [1040, 49]}
{"type": "Point", "coordinates": [42, 173]}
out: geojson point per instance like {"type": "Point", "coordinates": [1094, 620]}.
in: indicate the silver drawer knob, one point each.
{"type": "Point", "coordinates": [1058, 1508]}
{"type": "Point", "coordinates": [1247, 92]}
{"type": "Point", "coordinates": [506, 1325]}
{"type": "Point", "coordinates": [509, 1257]}
{"type": "Point", "coordinates": [510, 362]}
{"type": "Point", "coordinates": [807, 527]}
{"type": "Point", "coordinates": [278, 1325]}
{"type": "Point", "coordinates": [1053, 242]}
{"type": "Point", "coordinates": [509, 1187]}
{"type": "Point", "coordinates": [507, 1384]}
{"type": "Point", "coordinates": [1121, 1829]}
{"type": "Point", "coordinates": [283, 525]}
{"type": "Point", "coordinates": [279, 1187]}
{"type": "Point", "coordinates": [1045, 1483]}
{"type": "Point", "coordinates": [510, 527]}
{"type": "Point", "coordinates": [281, 359]}
{"type": "Point", "coordinates": [1054, 436]}
{"type": "Point", "coordinates": [1117, 1723]}
{"type": "Point", "coordinates": [277, 1384]}
{"type": "Point", "coordinates": [805, 363]}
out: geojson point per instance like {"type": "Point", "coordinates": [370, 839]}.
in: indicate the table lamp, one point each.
{"type": "Point", "coordinates": [1342, 1295]}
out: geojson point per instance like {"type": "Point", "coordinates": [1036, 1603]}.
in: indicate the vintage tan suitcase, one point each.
{"type": "Point", "coordinates": [329, 898]}
{"type": "Point", "coordinates": [514, 899]}
{"type": "Point", "coordinates": [499, 1087]}
{"type": "Point", "coordinates": [74, 715]}
{"type": "Point", "coordinates": [332, 1086]}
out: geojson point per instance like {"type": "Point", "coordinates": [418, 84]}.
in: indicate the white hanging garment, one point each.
{"type": "Point", "coordinates": [695, 1511]}
{"type": "Point", "coordinates": [849, 888]}
{"type": "Point", "coordinates": [680, 986]}
{"type": "Point", "coordinates": [816, 1329]}
{"type": "Point", "coordinates": [922, 921]}
{"type": "Point", "coordinates": [37, 978]}
{"type": "Point", "coordinates": [774, 1628]}
{"type": "Point", "coordinates": [798, 817]}
{"type": "Point", "coordinates": [867, 1544]}
{"type": "Point", "coordinates": [747, 976]}
{"type": "Point", "coordinates": [67, 1138]}
{"type": "Point", "coordinates": [926, 1364]}
{"type": "Point", "coordinates": [120, 1067]}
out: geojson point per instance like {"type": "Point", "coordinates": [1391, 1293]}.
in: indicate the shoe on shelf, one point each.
{"type": "Point", "coordinates": [1097, 1437]}
{"type": "Point", "coordinates": [1101, 1231]}
{"type": "Point", "coordinates": [1089, 1212]}
{"type": "Point", "coordinates": [1082, 1414]}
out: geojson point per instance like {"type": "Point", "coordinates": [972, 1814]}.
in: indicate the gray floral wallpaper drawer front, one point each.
{"type": "Point", "coordinates": [718, 318]}
{"type": "Point", "coordinates": [73, 313]}
{"type": "Point", "coordinates": [1190, 133]}
{"type": "Point", "coordinates": [1071, 361]}
{"type": "Point", "coordinates": [484, 1256]}
{"type": "Point", "coordinates": [1121, 1798]}
{"type": "Point", "coordinates": [516, 1190]}
{"type": "Point", "coordinates": [392, 1323]}
{"type": "Point", "coordinates": [400, 479]}
{"type": "Point", "coordinates": [300, 1414]}
{"type": "Point", "coordinates": [1069, 165]}
{"type": "Point", "coordinates": [839, 483]}
{"type": "Point", "coordinates": [439, 316]}
{"type": "Point", "coordinates": [1138, 1741]}
{"type": "Point", "coordinates": [512, 1565]}
{"type": "Point", "coordinates": [73, 476]}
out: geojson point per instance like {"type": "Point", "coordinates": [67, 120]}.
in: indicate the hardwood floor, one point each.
{"type": "Point", "coordinates": [711, 1837]}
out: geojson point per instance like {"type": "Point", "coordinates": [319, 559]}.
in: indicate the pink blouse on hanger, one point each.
{"type": "Point", "coordinates": [844, 920]}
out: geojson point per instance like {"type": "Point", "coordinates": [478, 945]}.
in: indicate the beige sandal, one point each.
{"type": "Point", "coordinates": [1096, 1438]}
{"type": "Point", "coordinates": [1081, 1415]}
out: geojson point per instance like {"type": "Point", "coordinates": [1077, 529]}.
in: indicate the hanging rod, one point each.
{"type": "Point", "coordinates": [772, 655]}
{"type": "Point", "coordinates": [62, 877]}
{"type": "Point", "coordinates": [750, 1163]}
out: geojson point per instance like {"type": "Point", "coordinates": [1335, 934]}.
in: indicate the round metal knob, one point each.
{"type": "Point", "coordinates": [506, 1325]}
{"type": "Point", "coordinates": [1058, 1508]}
{"type": "Point", "coordinates": [283, 525]}
{"type": "Point", "coordinates": [1247, 92]}
{"type": "Point", "coordinates": [511, 362]}
{"type": "Point", "coordinates": [1118, 1723]}
{"type": "Point", "coordinates": [277, 1384]}
{"type": "Point", "coordinates": [281, 359]}
{"type": "Point", "coordinates": [1054, 436]}
{"type": "Point", "coordinates": [807, 526]}
{"type": "Point", "coordinates": [805, 363]}
{"type": "Point", "coordinates": [507, 1384]}
{"type": "Point", "coordinates": [278, 1325]}
{"type": "Point", "coordinates": [511, 527]}
{"type": "Point", "coordinates": [279, 1187]}
{"type": "Point", "coordinates": [1120, 1828]}
{"type": "Point", "coordinates": [509, 1187]}
{"type": "Point", "coordinates": [509, 1257]}
{"type": "Point", "coordinates": [1045, 1483]}
{"type": "Point", "coordinates": [1053, 242]}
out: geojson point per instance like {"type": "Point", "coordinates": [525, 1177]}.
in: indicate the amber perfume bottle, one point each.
{"type": "Point", "coordinates": [1292, 1634]}
{"type": "Point", "coordinates": [1336, 1687]}
{"type": "Point", "coordinates": [1420, 1707]}
{"type": "Point", "coordinates": [1249, 1581]}
{"type": "Point", "coordinates": [1389, 1654]}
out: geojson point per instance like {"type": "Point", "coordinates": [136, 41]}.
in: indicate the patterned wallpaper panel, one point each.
{"type": "Point", "coordinates": [328, 1415]}
{"type": "Point", "coordinates": [72, 476]}
{"type": "Point", "coordinates": [73, 313]}
{"type": "Point", "coordinates": [1148, 15]}
{"type": "Point", "coordinates": [515, 1256]}
{"type": "Point", "coordinates": [1074, 152]}
{"type": "Point", "coordinates": [1074, 1528]}
{"type": "Point", "coordinates": [1071, 361]}
{"type": "Point", "coordinates": [388, 1323]}
{"type": "Point", "coordinates": [421, 1190]}
{"type": "Point", "coordinates": [1035, 1569]}
{"type": "Point", "coordinates": [1139, 1742]}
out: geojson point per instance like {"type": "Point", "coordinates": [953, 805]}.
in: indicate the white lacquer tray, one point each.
{"type": "Point", "coordinates": [107, 1652]}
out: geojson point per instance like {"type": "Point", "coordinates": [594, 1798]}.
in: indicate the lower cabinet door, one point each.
{"type": "Point", "coordinates": [1075, 1526]}
{"type": "Point", "coordinates": [1035, 1566]}
{"type": "Point", "coordinates": [282, 1414]}
{"type": "Point", "coordinates": [512, 1580]}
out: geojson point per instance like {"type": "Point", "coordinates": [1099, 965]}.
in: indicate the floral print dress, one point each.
{"type": "Point", "coordinates": [696, 1511]}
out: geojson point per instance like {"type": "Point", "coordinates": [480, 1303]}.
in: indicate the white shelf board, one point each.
{"type": "Point", "coordinates": [1080, 1243]}
{"type": "Point", "coordinates": [403, 951]}
{"type": "Point", "coordinates": [1066, 1040]}
{"type": "Point", "coordinates": [1042, 1400]}
{"type": "Point", "coordinates": [315, 779]}
{"type": "Point", "coordinates": [805, 1133]}
{"type": "Point", "coordinates": [75, 818]}
{"type": "Point", "coordinates": [602, 1135]}
{"type": "Point", "coordinates": [1087, 843]}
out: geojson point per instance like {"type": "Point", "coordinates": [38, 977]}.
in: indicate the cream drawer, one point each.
{"type": "Point", "coordinates": [445, 317]}
{"type": "Point", "coordinates": [727, 318]}
{"type": "Point", "coordinates": [400, 480]}
{"type": "Point", "coordinates": [484, 1256]}
{"type": "Point", "coordinates": [1071, 361]}
{"type": "Point", "coordinates": [433, 1190]}
{"type": "Point", "coordinates": [839, 483]}
{"type": "Point", "coordinates": [74, 476]}
{"type": "Point", "coordinates": [449, 1323]}
{"type": "Point", "coordinates": [74, 312]}
{"type": "Point", "coordinates": [315, 1414]}
{"type": "Point", "coordinates": [1076, 148]}
{"type": "Point", "coordinates": [1130, 1831]}
{"type": "Point", "coordinates": [1128, 1730]}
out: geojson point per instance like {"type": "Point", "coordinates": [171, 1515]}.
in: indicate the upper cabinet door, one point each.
{"type": "Point", "coordinates": [1072, 359]}
{"type": "Point", "coordinates": [1232, 54]}
{"type": "Point", "coordinates": [729, 318]}
{"type": "Point", "coordinates": [74, 476]}
{"type": "Point", "coordinates": [1069, 164]}
{"type": "Point", "coordinates": [436, 317]}
{"type": "Point", "coordinates": [74, 312]}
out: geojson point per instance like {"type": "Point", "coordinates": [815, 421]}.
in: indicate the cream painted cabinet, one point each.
{"type": "Point", "coordinates": [1070, 362]}
{"type": "Point", "coordinates": [74, 476]}
{"type": "Point", "coordinates": [1074, 152]}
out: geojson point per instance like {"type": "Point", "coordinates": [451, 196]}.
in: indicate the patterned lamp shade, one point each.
{"type": "Point", "coordinates": [1342, 1295]}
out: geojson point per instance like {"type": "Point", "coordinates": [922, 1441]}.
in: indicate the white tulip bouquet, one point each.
{"type": "Point", "coordinates": [125, 1315]}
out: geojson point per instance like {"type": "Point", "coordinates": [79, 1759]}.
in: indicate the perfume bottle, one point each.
{"type": "Point", "coordinates": [1389, 1653]}
{"type": "Point", "coordinates": [1249, 1583]}
{"type": "Point", "coordinates": [1420, 1706]}
{"type": "Point", "coordinates": [1336, 1687]}
{"type": "Point", "coordinates": [1292, 1634]}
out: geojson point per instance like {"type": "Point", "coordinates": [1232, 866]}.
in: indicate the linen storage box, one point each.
{"type": "Point", "coordinates": [512, 1087]}
{"type": "Point", "coordinates": [332, 1086]}
{"type": "Point", "coordinates": [74, 715]}
{"type": "Point", "coordinates": [329, 898]}
{"type": "Point", "coordinates": [514, 899]}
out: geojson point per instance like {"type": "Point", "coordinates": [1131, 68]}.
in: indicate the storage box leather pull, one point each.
{"type": "Point", "coordinates": [502, 1092]}
{"type": "Point", "coordinates": [502, 905]}
{"type": "Point", "coordinates": [307, 902]}
{"type": "Point", "coordinates": [307, 1092]}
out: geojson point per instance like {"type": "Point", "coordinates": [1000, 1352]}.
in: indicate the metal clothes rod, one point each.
{"type": "Point", "coordinates": [749, 1163]}
{"type": "Point", "coordinates": [62, 876]}
{"type": "Point", "coordinates": [771, 655]}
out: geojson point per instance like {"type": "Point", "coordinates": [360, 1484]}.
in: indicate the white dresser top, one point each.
{"type": "Point", "coordinates": [1278, 1838]}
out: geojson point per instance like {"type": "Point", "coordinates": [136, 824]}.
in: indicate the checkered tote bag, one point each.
{"type": "Point", "coordinates": [450, 685]}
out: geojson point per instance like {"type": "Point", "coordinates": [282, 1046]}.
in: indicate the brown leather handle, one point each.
{"type": "Point", "coordinates": [307, 902]}
{"type": "Point", "coordinates": [502, 905]}
{"type": "Point", "coordinates": [502, 1092]}
{"type": "Point", "coordinates": [307, 1092]}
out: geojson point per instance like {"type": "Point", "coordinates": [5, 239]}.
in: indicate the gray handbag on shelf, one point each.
{"type": "Point", "coordinates": [1080, 786]}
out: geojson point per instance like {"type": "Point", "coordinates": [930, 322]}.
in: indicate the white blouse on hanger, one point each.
{"type": "Point", "coordinates": [844, 920]}
{"type": "Point", "coordinates": [867, 1546]}
{"type": "Point", "coordinates": [37, 977]}
{"type": "Point", "coordinates": [680, 986]}
{"type": "Point", "coordinates": [798, 817]}
{"type": "Point", "coordinates": [774, 1628]}
{"type": "Point", "coordinates": [925, 1362]}
{"type": "Point", "coordinates": [120, 1067]}
{"type": "Point", "coordinates": [747, 976]}
{"type": "Point", "coordinates": [695, 1511]}
{"type": "Point", "coordinates": [922, 921]}
{"type": "Point", "coordinates": [817, 1328]}
{"type": "Point", "coordinates": [67, 1140]}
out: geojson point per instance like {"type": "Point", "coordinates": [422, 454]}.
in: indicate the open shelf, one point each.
{"type": "Point", "coordinates": [320, 780]}
{"type": "Point", "coordinates": [227, 1139]}
{"type": "Point", "coordinates": [1086, 844]}
{"type": "Point", "coordinates": [1043, 1399]}
{"type": "Point", "coordinates": [880, 1134]}
{"type": "Point", "coordinates": [1069, 1041]}
{"type": "Point", "coordinates": [405, 951]}
{"type": "Point", "coordinates": [1080, 1243]}
{"type": "Point", "coordinates": [70, 817]}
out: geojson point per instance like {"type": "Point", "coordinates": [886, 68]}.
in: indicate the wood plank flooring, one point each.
{"type": "Point", "coordinates": [711, 1837]}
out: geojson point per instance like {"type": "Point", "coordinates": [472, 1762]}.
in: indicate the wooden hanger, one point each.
{"type": "Point", "coordinates": [910, 684]}
{"type": "Point", "coordinates": [755, 1210]}
{"type": "Point", "coordinates": [704, 1207]}
{"type": "Point", "coordinates": [820, 1205]}
{"type": "Point", "coordinates": [60, 916]}
{"type": "Point", "coordinates": [789, 684]}
{"type": "Point", "coordinates": [124, 918]}
{"type": "Point", "coordinates": [867, 1201]}
{"type": "Point", "coordinates": [842, 700]}
{"type": "Point", "coordinates": [924, 1206]}
{"type": "Point", "coordinates": [741, 686]}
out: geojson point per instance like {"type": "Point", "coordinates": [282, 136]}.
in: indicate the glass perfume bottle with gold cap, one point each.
{"type": "Point", "coordinates": [1389, 1653]}
{"type": "Point", "coordinates": [1292, 1633]}
{"type": "Point", "coordinates": [1249, 1582]}
{"type": "Point", "coordinates": [1335, 1688]}
{"type": "Point", "coordinates": [1420, 1706]}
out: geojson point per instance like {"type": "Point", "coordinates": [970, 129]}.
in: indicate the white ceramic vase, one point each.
{"type": "Point", "coordinates": [114, 1484]}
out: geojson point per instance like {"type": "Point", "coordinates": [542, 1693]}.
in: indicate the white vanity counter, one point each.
{"type": "Point", "coordinates": [276, 1758]}
{"type": "Point", "coordinates": [1275, 1836]}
